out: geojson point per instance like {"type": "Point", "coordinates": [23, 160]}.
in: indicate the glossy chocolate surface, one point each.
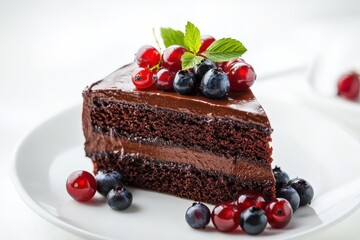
{"type": "Point", "coordinates": [241, 106]}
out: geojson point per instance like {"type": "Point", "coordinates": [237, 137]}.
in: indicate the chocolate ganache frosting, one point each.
{"type": "Point", "coordinates": [236, 105]}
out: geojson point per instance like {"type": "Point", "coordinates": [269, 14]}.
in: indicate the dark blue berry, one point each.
{"type": "Point", "coordinates": [304, 189]}
{"type": "Point", "coordinates": [215, 83]}
{"type": "Point", "coordinates": [184, 82]}
{"type": "Point", "coordinates": [291, 195]}
{"type": "Point", "coordinates": [202, 68]}
{"type": "Point", "coordinates": [198, 215]}
{"type": "Point", "coordinates": [253, 220]}
{"type": "Point", "coordinates": [107, 180]}
{"type": "Point", "coordinates": [119, 198]}
{"type": "Point", "coordinates": [281, 177]}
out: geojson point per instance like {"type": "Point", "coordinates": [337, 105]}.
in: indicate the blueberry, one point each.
{"type": "Point", "coordinates": [202, 68]}
{"type": "Point", "coordinates": [281, 177]}
{"type": "Point", "coordinates": [304, 189]}
{"type": "Point", "coordinates": [184, 82]}
{"type": "Point", "coordinates": [119, 198]}
{"type": "Point", "coordinates": [107, 180]}
{"type": "Point", "coordinates": [198, 215]}
{"type": "Point", "coordinates": [253, 220]}
{"type": "Point", "coordinates": [215, 83]}
{"type": "Point", "coordinates": [291, 195]}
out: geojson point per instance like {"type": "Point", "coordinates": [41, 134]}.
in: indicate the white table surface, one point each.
{"type": "Point", "coordinates": [50, 50]}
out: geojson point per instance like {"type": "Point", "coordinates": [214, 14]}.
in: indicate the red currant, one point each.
{"type": "Point", "coordinates": [81, 185]}
{"type": "Point", "coordinates": [278, 212]}
{"type": "Point", "coordinates": [349, 86]}
{"type": "Point", "coordinates": [242, 76]}
{"type": "Point", "coordinates": [164, 79]}
{"type": "Point", "coordinates": [229, 64]}
{"type": "Point", "coordinates": [206, 41]}
{"type": "Point", "coordinates": [250, 198]}
{"type": "Point", "coordinates": [226, 216]}
{"type": "Point", "coordinates": [142, 78]}
{"type": "Point", "coordinates": [172, 58]}
{"type": "Point", "coordinates": [147, 56]}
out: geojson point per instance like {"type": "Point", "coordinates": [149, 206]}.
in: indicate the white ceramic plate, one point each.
{"type": "Point", "coordinates": [305, 144]}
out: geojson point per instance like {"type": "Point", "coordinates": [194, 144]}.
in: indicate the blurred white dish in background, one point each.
{"type": "Point", "coordinates": [340, 55]}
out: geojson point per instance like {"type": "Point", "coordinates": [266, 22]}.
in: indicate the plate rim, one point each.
{"type": "Point", "coordinates": [20, 189]}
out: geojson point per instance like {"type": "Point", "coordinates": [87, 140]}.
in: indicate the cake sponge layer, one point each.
{"type": "Point", "coordinates": [161, 126]}
{"type": "Point", "coordinates": [182, 180]}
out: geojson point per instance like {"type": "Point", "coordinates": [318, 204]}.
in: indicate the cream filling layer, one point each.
{"type": "Point", "coordinates": [241, 168]}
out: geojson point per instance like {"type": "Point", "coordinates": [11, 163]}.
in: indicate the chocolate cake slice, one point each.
{"type": "Point", "coordinates": [190, 146]}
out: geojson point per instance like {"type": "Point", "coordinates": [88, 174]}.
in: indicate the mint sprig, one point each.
{"type": "Point", "coordinates": [172, 37]}
{"type": "Point", "coordinates": [189, 60]}
{"type": "Point", "coordinates": [222, 50]}
{"type": "Point", "coordinates": [192, 37]}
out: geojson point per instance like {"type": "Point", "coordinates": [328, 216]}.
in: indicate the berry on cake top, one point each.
{"type": "Point", "coordinates": [193, 63]}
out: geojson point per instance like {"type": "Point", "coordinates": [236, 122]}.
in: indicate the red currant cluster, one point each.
{"type": "Point", "coordinates": [162, 69]}
{"type": "Point", "coordinates": [251, 212]}
{"type": "Point", "coordinates": [349, 86]}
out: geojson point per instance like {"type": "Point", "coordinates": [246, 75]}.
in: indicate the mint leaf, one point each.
{"type": "Point", "coordinates": [189, 60]}
{"type": "Point", "coordinates": [172, 37]}
{"type": "Point", "coordinates": [224, 49]}
{"type": "Point", "coordinates": [192, 37]}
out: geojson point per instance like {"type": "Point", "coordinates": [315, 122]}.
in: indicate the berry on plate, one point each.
{"type": "Point", "coordinates": [253, 220]}
{"type": "Point", "coordinates": [81, 185]}
{"type": "Point", "coordinates": [107, 180]}
{"type": "Point", "coordinates": [198, 215]}
{"type": "Point", "coordinates": [250, 198]}
{"type": "Point", "coordinates": [291, 195]}
{"type": "Point", "coordinates": [281, 177]}
{"type": "Point", "coordinates": [119, 198]}
{"type": "Point", "coordinates": [304, 189]}
{"type": "Point", "coordinates": [225, 216]}
{"type": "Point", "coordinates": [278, 212]}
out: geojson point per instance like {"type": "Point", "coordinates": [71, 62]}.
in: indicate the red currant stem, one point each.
{"type": "Point", "coordinates": [157, 66]}
{"type": "Point", "coordinates": [157, 41]}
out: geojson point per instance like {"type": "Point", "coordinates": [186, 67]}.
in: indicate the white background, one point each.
{"type": "Point", "coordinates": [50, 50]}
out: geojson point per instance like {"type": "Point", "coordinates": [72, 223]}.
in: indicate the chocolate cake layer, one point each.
{"type": "Point", "coordinates": [243, 168]}
{"type": "Point", "coordinates": [182, 180]}
{"type": "Point", "coordinates": [217, 135]}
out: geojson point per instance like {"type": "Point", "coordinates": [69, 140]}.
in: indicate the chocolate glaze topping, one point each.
{"type": "Point", "coordinates": [241, 106]}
